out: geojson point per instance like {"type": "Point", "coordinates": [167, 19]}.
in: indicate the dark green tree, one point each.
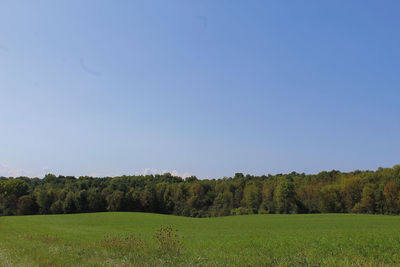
{"type": "Point", "coordinates": [285, 197]}
{"type": "Point", "coordinates": [70, 203]}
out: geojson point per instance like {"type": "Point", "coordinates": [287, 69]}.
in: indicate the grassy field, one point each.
{"type": "Point", "coordinates": [102, 239]}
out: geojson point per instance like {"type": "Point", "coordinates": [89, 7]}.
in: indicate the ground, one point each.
{"type": "Point", "coordinates": [129, 239]}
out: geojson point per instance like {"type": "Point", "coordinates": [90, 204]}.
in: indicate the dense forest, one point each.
{"type": "Point", "coordinates": [353, 192]}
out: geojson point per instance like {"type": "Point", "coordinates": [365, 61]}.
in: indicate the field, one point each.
{"type": "Point", "coordinates": [105, 239]}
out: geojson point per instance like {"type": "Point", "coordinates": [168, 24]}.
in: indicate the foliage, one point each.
{"type": "Point", "coordinates": [373, 192]}
{"type": "Point", "coordinates": [128, 242]}
{"type": "Point", "coordinates": [168, 240]}
{"type": "Point", "coordinates": [26, 205]}
{"type": "Point", "coordinates": [16, 187]}
{"type": "Point", "coordinates": [285, 197]}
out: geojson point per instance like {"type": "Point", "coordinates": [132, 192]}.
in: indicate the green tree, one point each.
{"type": "Point", "coordinates": [195, 197]}
{"type": "Point", "coordinates": [352, 189]}
{"type": "Point", "coordinates": [331, 198]}
{"type": "Point", "coordinates": [50, 178]}
{"type": "Point", "coordinates": [252, 197]}
{"type": "Point", "coordinates": [367, 203]}
{"type": "Point", "coordinates": [10, 191]}
{"type": "Point", "coordinates": [14, 187]}
{"type": "Point", "coordinates": [391, 194]}
{"type": "Point", "coordinates": [82, 200]}
{"type": "Point", "coordinates": [45, 199]}
{"type": "Point", "coordinates": [70, 203]}
{"type": "Point", "coordinates": [286, 197]}
{"type": "Point", "coordinates": [309, 195]}
{"type": "Point", "coordinates": [26, 205]}
{"type": "Point", "coordinates": [115, 201]}
{"type": "Point", "coordinates": [147, 199]}
{"type": "Point", "coordinates": [57, 207]}
{"type": "Point", "coordinates": [267, 203]}
{"type": "Point", "coordinates": [95, 200]}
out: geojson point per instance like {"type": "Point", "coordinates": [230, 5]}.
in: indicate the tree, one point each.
{"type": "Point", "coordinates": [57, 207]}
{"type": "Point", "coordinates": [252, 197]}
{"type": "Point", "coordinates": [95, 200]}
{"type": "Point", "coordinates": [391, 194]}
{"type": "Point", "coordinates": [191, 179]}
{"type": "Point", "coordinates": [14, 187]}
{"type": "Point", "coordinates": [195, 198]}
{"type": "Point", "coordinates": [70, 205]}
{"type": "Point", "coordinates": [309, 196]}
{"type": "Point", "coordinates": [8, 204]}
{"type": "Point", "coordinates": [238, 175]}
{"type": "Point", "coordinates": [352, 189]}
{"type": "Point", "coordinates": [115, 201]}
{"type": "Point", "coordinates": [331, 198]}
{"type": "Point", "coordinates": [179, 199]}
{"type": "Point", "coordinates": [26, 205]}
{"type": "Point", "coordinates": [358, 191]}
{"type": "Point", "coordinates": [147, 199]}
{"type": "Point", "coordinates": [164, 197]}
{"type": "Point", "coordinates": [367, 204]}
{"type": "Point", "coordinates": [380, 199]}
{"type": "Point", "coordinates": [133, 200]}
{"type": "Point", "coordinates": [10, 191]}
{"type": "Point", "coordinates": [50, 178]}
{"type": "Point", "coordinates": [82, 200]}
{"type": "Point", "coordinates": [267, 195]}
{"type": "Point", "coordinates": [44, 199]}
{"type": "Point", "coordinates": [222, 204]}
{"type": "Point", "coordinates": [286, 197]}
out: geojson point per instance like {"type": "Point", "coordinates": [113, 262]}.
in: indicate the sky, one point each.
{"type": "Point", "coordinates": [206, 88]}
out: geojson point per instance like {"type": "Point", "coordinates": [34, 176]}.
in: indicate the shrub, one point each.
{"type": "Point", "coordinates": [169, 241]}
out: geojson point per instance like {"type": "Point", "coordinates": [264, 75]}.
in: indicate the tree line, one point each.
{"type": "Point", "coordinates": [374, 192]}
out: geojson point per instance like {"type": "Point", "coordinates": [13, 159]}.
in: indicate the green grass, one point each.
{"type": "Point", "coordinates": [251, 240]}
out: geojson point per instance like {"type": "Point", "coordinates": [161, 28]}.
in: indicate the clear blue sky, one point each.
{"type": "Point", "coordinates": [205, 88]}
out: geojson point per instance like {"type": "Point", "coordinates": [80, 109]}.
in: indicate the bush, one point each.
{"type": "Point", "coordinates": [169, 242]}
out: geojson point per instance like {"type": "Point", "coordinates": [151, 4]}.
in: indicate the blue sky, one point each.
{"type": "Point", "coordinates": [205, 88]}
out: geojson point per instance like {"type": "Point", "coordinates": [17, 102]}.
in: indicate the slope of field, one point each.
{"type": "Point", "coordinates": [251, 240]}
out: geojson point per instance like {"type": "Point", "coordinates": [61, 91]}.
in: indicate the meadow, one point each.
{"type": "Point", "coordinates": [130, 239]}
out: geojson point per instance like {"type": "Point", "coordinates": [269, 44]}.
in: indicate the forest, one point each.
{"type": "Point", "coordinates": [373, 192]}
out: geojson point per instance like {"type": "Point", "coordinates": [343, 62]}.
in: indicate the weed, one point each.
{"type": "Point", "coordinates": [119, 242]}
{"type": "Point", "coordinates": [49, 239]}
{"type": "Point", "coordinates": [168, 240]}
